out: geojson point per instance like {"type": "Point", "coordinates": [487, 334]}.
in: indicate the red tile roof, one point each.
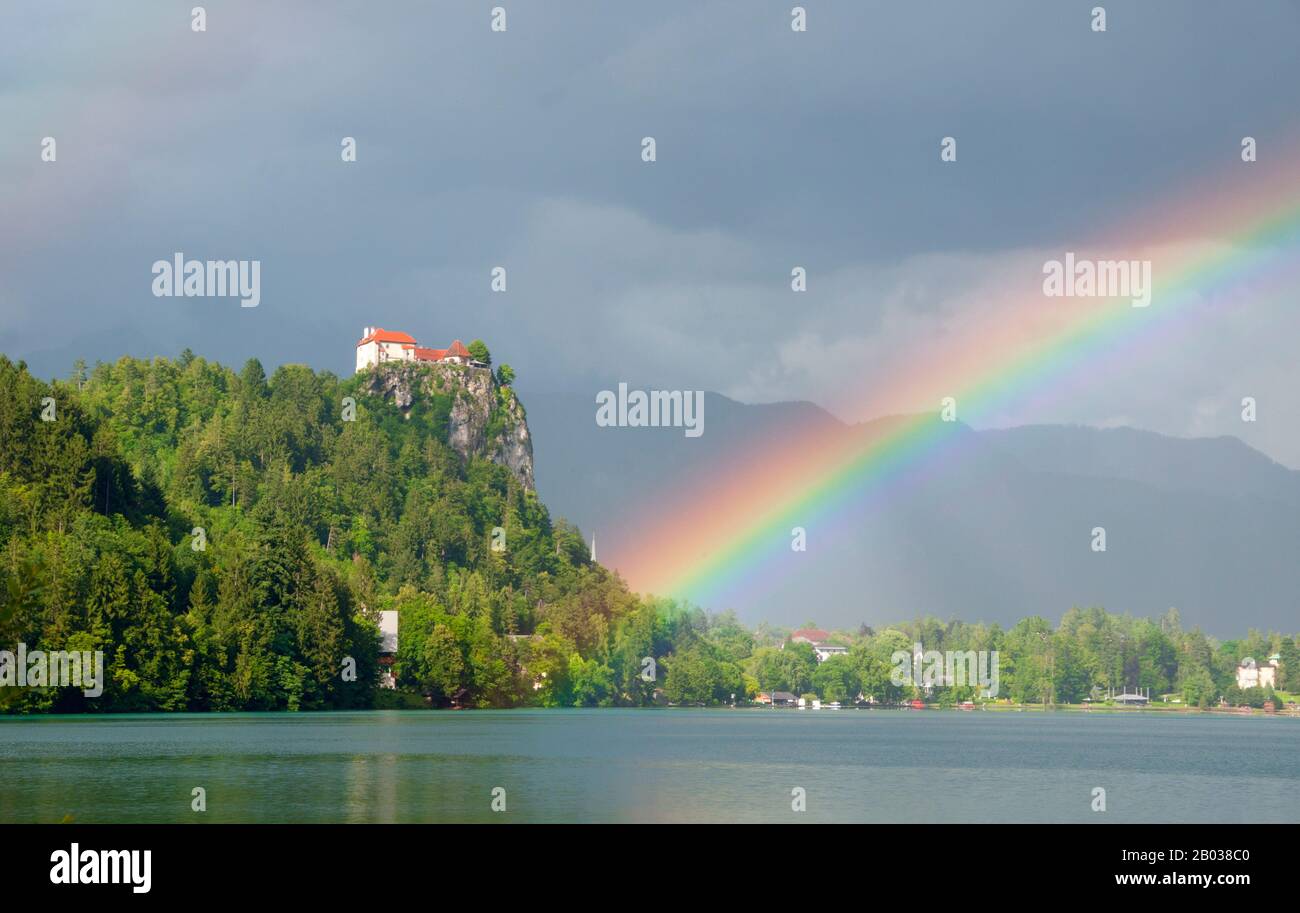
{"type": "Point", "coordinates": [421, 353]}
{"type": "Point", "coordinates": [816, 635]}
{"type": "Point", "coordinates": [382, 335]}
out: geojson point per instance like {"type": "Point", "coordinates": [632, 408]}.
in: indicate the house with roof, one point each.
{"type": "Point", "coordinates": [379, 346]}
{"type": "Point", "coordinates": [1251, 674]}
{"type": "Point", "coordinates": [820, 641]}
{"type": "Point", "coordinates": [809, 636]}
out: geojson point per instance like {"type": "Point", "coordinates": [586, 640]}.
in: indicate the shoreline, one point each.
{"type": "Point", "coordinates": [1005, 708]}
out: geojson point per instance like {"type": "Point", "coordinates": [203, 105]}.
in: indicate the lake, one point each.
{"type": "Point", "coordinates": [651, 765]}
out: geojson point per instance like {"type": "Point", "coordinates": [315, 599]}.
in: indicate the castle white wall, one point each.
{"type": "Point", "coordinates": [366, 356]}
{"type": "Point", "coordinates": [372, 353]}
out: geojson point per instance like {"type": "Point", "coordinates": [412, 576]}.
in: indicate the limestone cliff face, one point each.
{"type": "Point", "coordinates": [485, 419]}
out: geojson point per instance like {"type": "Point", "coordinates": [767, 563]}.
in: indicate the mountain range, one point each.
{"type": "Point", "coordinates": [997, 528]}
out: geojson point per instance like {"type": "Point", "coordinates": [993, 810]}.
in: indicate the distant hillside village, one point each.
{"type": "Point", "coordinates": [379, 346]}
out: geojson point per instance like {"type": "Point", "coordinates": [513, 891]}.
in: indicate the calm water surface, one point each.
{"type": "Point", "coordinates": [651, 765]}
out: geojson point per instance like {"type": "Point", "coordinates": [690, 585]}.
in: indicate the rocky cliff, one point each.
{"type": "Point", "coordinates": [484, 419]}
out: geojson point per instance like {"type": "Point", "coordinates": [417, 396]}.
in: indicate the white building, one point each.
{"type": "Point", "coordinates": [379, 346]}
{"type": "Point", "coordinates": [387, 648]}
{"type": "Point", "coordinates": [818, 640]}
{"type": "Point", "coordinates": [825, 651]}
{"type": "Point", "coordinates": [1252, 675]}
{"type": "Point", "coordinates": [388, 632]}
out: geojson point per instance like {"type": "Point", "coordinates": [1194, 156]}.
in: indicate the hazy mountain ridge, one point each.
{"type": "Point", "coordinates": [999, 527]}
{"type": "Point", "coordinates": [1195, 464]}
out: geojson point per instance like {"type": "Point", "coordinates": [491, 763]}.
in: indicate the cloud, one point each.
{"type": "Point", "coordinates": [776, 150]}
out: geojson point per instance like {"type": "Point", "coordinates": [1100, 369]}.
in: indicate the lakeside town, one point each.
{"type": "Point", "coordinates": [1256, 681]}
{"type": "Point", "coordinates": [961, 680]}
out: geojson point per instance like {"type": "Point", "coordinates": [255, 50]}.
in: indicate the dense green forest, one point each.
{"type": "Point", "coordinates": [228, 540]}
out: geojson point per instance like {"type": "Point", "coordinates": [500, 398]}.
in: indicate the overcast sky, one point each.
{"type": "Point", "coordinates": [522, 149]}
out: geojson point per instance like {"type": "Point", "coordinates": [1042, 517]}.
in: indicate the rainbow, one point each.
{"type": "Point", "coordinates": [724, 530]}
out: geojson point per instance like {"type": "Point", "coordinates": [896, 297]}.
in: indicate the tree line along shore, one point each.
{"type": "Point", "coordinates": [228, 541]}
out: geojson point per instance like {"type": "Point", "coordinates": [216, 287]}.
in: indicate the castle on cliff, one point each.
{"type": "Point", "coordinates": [379, 346]}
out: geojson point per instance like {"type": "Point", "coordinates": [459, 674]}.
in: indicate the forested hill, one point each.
{"type": "Point", "coordinates": [228, 540]}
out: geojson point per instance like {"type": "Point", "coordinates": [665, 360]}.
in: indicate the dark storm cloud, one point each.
{"type": "Point", "coordinates": [522, 149]}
